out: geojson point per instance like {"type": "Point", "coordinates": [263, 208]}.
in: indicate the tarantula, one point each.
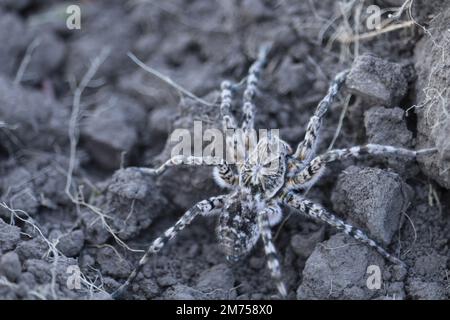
{"type": "Point", "coordinates": [261, 184]}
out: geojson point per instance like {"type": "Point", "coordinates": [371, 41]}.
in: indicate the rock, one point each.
{"type": "Point", "coordinates": [185, 185]}
{"type": "Point", "coordinates": [398, 273]}
{"type": "Point", "coordinates": [377, 80]}
{"type": "Point", "coordinates": [304, 243]}
{"type": "Point", "coordinates": [33, 182]}
{"type": "Point", "coordinates": [421, 290]}
{"type": "Point", "coordinates": [35, 248]}
{"type": "Point", "coordinates": [112, 264]}
{"type": "Point", "coordinates": [292, 77]}
{"type": "Point", "coordinates": [149, 288]}
{"type": "Point", "coordinates": [9, 236]}
{"type": "Point", "coordinates": [387, 126]}
{"type": "Point", "coordinates": [113, 129]}
{"type": "Point", "coordinates": [337, 270]}
{"type": "Point", "coordinates": [373, 198]}
{"type": "Point", "coordinates": [432, 97]}
{"type": "Point", "coordinates": [217, 282]}
{"type": "Point", "coordinates": [98, 34]}
{"type": "Point", "coordinates": [133, 200]}
{"type": "Point", "coordinates": [254, 10]}
{"type": "Point", "coordinates": [71, 244]}
{"type": "Point", "coordinates": [50, 177]}
{"type": "Point", "coordinates": [166, 280]}
{"type": "Point", "coordinates": [19, 192]}
{"type": "Point", "coordinates": [160, 121]}
{"type": "Point", "coordinates": [49, 18]}
{"type": "Point", "coordinates": [432, 266]}
{"type": "Point", "coordinates": [43, 272]}
{"type": "Point", "coordinates": [10, 266]}
{"type": "Point", "coordinates": [36, 120]}
{"type": "Point", "coordinates": [13, 37]}
{"type": "Point", "coordinates": [46, 58]}
{"type": "Point", "coordinates": [183, 292]}
{"type": "Point", "coordinates": [94, 229]}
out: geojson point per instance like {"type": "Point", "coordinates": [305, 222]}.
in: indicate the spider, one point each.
{"type": "Point", "coordinates": [259, 186]}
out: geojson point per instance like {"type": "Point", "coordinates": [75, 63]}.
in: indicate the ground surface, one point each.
{"type": "Point", "coordinates": [397, 93]}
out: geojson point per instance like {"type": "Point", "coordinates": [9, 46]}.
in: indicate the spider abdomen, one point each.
{"type": "Point", "coordinates": [237, 231]}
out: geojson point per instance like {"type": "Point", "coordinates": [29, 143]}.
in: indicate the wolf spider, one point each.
{"type": "Point", "coordinates": [257, 187]}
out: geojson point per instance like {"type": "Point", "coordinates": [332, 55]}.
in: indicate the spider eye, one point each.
{"type": "Point", "coordinates": [268, 164]}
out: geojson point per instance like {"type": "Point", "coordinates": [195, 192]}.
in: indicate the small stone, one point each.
{"type": "Point", "coordinates": [304, 244]}
{"type": "Point", "coordinates": [149, 288]}
{"type": "Point", "coordinates": [217, 281]}
{"type": "Point", "coordinates": [398, 272]}
{"type": "Point", "coordinates": [183, 292]}
{"type": "Point", "coordinates": [112, 264]}
{"type": "Point", "coordinates": [133, 200]}
{"type": "Point", "coordinates": [9, 236]}
{"type": "Point", "coordinates": [94, 230]}
{"type": "Point", "coordinates": [431, 264]}
{"type": "Point", "coordinates": [13, 37]}
{"type": "Point", "coordinates": [377, 80]}
{"type": "Point", "coordinates": [39, 121]}
{"type": "Point", "coordinates": [112, 130]}
{"type": "Point", "coordinates": [422, 290]}
{"type": "Point", "coordinates": [166, 280]}
{"type": "Point", "coordinates": [373, 198]}
{"type": "Point", "coordinates": [46, 58]}
{"type": "Point", "coordinates": [160, 121]}
{"type": "Point", "coordinates": [387, 126]}
{"type": "Point", "coordinates": [35, 248]}
{"type": "Point", "coordinates": [337, 269]}
{"type": "Point", "coordinates": [10, 266]}
{"type": "Point", "coordinates": [99, 34]}
{"type": "Point", "coordinates": [291, 77]}
{"type": "Point", "coordinates": [71, 244]}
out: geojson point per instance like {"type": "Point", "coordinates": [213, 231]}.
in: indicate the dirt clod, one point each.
{"type": "Point", "coordinates": [9, 236]}
{"type": "Point", "coordinates": [432, 99]}
{"type": "Point", "coordinates": [377, 80]}
{"type": "Point", "coordinates": [373, 198]}
{"type": "Point", "coordinates": [337, 270]}
{"type": "Point", "coordinates": [10, 266]}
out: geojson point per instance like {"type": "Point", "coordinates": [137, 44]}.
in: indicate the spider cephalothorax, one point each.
{"type": "Point", "coordinates": [269, 176]}
{"type": "Point", "coordinates": [264, 169]}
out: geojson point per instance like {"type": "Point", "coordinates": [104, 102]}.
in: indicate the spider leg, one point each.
{"type": "Point", "coordinates": [182, 160]}
{"type": "Point", "coordinates": [226, 95]}
{"type": "Point", "coordinates": [225, 177]}
{"type": "Point", "coordinates": [316, 211]}
{"type": "Point", "coordinates": [308, 175]}
{"type": "Point", "coordinates": [204, 207]}
{"type": "Point", "coordinates": [251, 88]}
{"type": "Point", "coordinates": [306, 148]}
{"type": "Point", "coordinates": [273, 262]}
{"type": "Point", "coordinates": [223, 174]}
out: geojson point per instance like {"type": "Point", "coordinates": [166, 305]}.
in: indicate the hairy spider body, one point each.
{"type": "Point", "coordinates": [270, 176]}
{"type": "Point", "coordinates": [237, 227]}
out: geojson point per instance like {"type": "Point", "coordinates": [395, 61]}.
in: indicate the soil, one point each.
{"type": "Point", "coordinates": [74, 218]}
